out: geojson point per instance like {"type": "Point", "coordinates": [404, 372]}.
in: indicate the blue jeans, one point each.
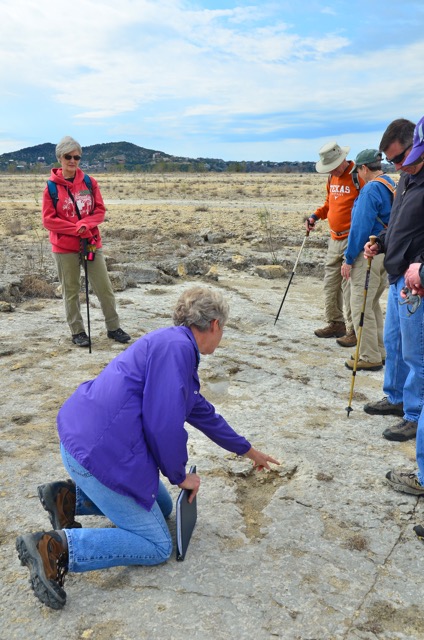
{"type": "Point", "coordinates": [139, 537]}
{"type": "Point", "coordinates": [404, 342]}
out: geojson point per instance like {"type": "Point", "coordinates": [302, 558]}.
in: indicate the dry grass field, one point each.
{"type": "Point", "coordinates": [151, 217]}
{"type": "Point", "coordinates": [169, 202]}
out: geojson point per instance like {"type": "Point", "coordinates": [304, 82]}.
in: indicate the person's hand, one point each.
{"type": "Point", "coordinates": [345, 270]}
{"type": "Point", "coordinates": [371, 250]}
{"type": "Point", "coordinates": [310, 224]}
{"type": "Point", "coordinates": [192, 483]}
{"type": "Point", "coordinates": [82, 230]}
{"type": "Point", "coordinates": [413, 280]}
{"type": "Point", "coordinates": [260, 460]}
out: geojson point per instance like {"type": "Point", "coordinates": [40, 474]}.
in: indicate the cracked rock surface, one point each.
{"type": "Point", "coordinates": [318, 548]}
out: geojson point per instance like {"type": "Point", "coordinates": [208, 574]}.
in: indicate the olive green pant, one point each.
{"type": "Point", "coordinates": [336, 288]}
{"type": "Point", "coordinates": [69, 267]}
{"type": "Point", "coordinates": [371, 348]}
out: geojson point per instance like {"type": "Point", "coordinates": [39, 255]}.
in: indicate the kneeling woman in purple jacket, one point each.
{"type": "Point", "coordinates": [117, 433]}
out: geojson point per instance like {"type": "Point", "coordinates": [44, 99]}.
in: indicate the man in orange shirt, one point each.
{"type": "Point", "coordinates": [337, 209]}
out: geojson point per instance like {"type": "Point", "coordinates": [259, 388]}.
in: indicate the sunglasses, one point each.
{"type": "Point", "coordinates": [68, 156]}
{"type": "Point", "coordinates": [398, 159]}
{"type": "Point", "coordinates": [411, 300]}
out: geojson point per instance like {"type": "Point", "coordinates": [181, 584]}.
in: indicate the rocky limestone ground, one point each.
{"type": "Point", "coordinates": [318, 548]}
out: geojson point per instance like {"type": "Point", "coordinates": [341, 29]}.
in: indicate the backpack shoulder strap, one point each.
{"type": "Point", "coordinates": [88, 183]}
{"type": "Point", "coordinates": [389, 185]}
{"type": "Point", "coordinates": [355, 180]}
{"type": "Point", "coordinates": [52, 188]}
{"type": "Point", "coordinates": [391, 188]}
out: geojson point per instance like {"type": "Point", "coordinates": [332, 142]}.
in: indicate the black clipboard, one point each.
{"type": "Point", "coordinates": [186, 516]}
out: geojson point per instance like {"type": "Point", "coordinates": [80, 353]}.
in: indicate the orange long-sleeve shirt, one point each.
{"type": "Point", "coordinates": [337, 208]}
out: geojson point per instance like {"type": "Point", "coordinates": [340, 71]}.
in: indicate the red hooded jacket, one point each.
{"type": "Point", "coordinates": [63, 222]}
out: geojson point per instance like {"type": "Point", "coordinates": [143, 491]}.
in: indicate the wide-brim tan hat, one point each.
{"type": "Point", "coordinates": [331, 156]}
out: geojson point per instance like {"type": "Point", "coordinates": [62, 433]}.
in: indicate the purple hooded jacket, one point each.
{"type": "Point", "coordinates": [127, 424]}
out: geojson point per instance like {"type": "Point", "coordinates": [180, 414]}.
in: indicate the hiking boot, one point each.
{"type": "Point", "coordinates": [332, 330]}
{"type": "Point", "coordinates": [405, 481]}
{"type": "Point", "coordinates": [119, 335]}
{"type": "Point", "coordinates": [349, 340]}
{"type": "Point", "coordinates": [384, 408]}
{"type": "Point", "coordinates": [46, 556]}
{"type": "Point", "coordinates": [365, 366]}
{"type": "Point", "coordinates": [59, 500]}
{"type": "Point", "coordinates": [404, 430]}
{"type": "Point", "coordinates": [81, 339]}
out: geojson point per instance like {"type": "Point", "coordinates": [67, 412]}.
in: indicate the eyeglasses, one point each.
{"type": "Point", "coordinates": [398, 159]}
{"type": "Point", "coordinates": [68, 156]}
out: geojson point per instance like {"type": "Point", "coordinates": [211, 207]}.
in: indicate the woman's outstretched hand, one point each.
{"type": "Point", "coordinates": [260, 460]}
{"type": "Point", "coordinates": [192, 483]}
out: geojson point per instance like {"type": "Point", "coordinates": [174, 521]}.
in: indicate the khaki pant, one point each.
{"type": "Point", "coordinates": [371, 348]}
{"type": "Point", "coordinates": [336, 288]}
{"type": "Point", "coordinates": [69, 272]}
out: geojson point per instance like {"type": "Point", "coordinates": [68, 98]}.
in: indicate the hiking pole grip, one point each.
{"type": "Point", "coordinates": [372, 240]}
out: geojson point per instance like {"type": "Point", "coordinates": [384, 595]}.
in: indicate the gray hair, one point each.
{"type": "Point", "coordinates": [66, 145]}
{"type": "Point", "coordinates": [198, 306]}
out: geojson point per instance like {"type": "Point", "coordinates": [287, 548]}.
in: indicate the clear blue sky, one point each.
{"type": "Point", "coordinates": [236, 80]}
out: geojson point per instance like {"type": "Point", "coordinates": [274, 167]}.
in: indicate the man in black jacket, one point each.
{"type": "Point", "coordinates": [405, 480]}
{"type": "Point", "coordinates": [403, 244]}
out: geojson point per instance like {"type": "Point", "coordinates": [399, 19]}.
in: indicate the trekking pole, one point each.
{"type": "Point", "coordinates": [291, 277]}
{"type": "Point", "coordinates": [361, 324]}
{"type": "Point", "coordinates": [84, 258]}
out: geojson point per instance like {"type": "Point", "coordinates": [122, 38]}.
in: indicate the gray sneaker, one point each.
{"type": "Point", "coordinates": [405, 481]}
{"type": "Point", "coordinates": [384, 408]}
{"type": "Point", "coordinates": [404, 430]}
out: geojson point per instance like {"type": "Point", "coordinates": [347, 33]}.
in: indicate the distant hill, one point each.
{"type": "Point", "coordinates": [125, 156]}
{"type": "Point", "coordinates": [92, 154]}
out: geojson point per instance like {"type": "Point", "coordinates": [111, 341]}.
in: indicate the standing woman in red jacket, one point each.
{"type": "Point", "coordinates": [72, 219]}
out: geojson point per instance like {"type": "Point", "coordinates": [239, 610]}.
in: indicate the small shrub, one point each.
{"type": "Point", "coordinates": [33, 286]}
{"type": "Point", "coordinates": [14, 227]}
{"type": "Point", "coordinates": [266, 222]}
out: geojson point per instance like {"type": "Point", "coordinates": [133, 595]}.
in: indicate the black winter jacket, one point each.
{"type": "Point", "coordinates": [403, 240]}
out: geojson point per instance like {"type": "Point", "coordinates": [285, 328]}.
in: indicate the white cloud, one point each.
{"type": "Point", "coordinates": [165, 67]}
{"type": "Point", "coordinates": [7, 145]}
{"type": "Point", "coordinates": [86, 59]}
{"type": "Point", "coordinates": [329, 11]}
